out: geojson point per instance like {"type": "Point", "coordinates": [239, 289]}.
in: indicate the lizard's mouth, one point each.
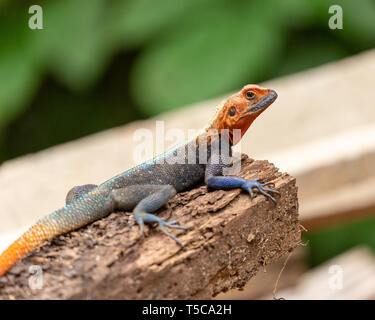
{"type": "Point", "coordinates": [263, 103]}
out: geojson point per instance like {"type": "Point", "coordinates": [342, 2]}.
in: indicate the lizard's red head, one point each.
{"type": "Point", "coordinates": [241, 109]}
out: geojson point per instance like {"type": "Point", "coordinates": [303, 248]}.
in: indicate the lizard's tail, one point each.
{"type": "Point", "coordinates": [90, 207]}
{"type": "Point", "coordinates": [24, 244]}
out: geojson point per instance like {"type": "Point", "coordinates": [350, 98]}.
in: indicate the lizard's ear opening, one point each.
{"type": "Point", "coordinates": [232, 111]}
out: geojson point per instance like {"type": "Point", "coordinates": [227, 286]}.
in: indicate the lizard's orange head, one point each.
{"type": "Point", "coordinates": [241, 109]}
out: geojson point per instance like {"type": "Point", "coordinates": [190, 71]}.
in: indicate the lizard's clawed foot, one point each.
{"type": "Point", "coordinates": [143, 217]}
{"type": "Point", "coordinates": [248, 185]}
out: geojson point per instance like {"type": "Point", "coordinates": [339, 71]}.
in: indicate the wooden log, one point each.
{"type": "Point", "coordinates": [231, 238]}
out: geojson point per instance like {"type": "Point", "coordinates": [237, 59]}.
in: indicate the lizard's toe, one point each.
{"type": "Point", "coordinates": [248, 185]}
{"type": "Point", "coordinates": [143, 217]}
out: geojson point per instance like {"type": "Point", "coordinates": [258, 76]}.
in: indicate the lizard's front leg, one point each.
{"type": "Point", "coordinates": [214, 178]}
{"type": "Point", "coordinates": [146, 199]}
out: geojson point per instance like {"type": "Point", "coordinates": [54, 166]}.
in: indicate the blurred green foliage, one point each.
{"type": "Point", "coordinates": [326, 243]}
{"type": "Point", "coordinates": [177, 53]}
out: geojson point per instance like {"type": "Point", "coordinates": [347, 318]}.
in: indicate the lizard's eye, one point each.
{"type": "Point", "coordinates": [232, 111]}
{"type": "Point", "coordinates": [250, 95]}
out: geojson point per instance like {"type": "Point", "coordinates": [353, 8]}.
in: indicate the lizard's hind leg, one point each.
{"type": "Point", "coordinates": [146, 199]}
{"type": "Point", "coordinates": [78, 191]}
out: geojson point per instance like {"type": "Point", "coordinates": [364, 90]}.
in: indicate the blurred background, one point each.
{"type": "Point", "coordinates": [98, 63]}
{"type": "Point", "coordinates": [101, 64]}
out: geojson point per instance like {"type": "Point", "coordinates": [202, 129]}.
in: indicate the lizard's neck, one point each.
{"type": "Point", "coordinates": [217, 120]}
{"type": "Point", "coordinates": [211, 134]}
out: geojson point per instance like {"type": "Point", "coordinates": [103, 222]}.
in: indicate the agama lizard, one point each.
{"type": "Point", "coordinates": [147, 187]}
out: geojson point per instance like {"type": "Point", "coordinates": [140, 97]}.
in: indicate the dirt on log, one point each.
{"type": "Point", "coordinates": [231, 238]}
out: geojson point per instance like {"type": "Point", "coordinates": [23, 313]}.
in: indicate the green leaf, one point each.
{"type": "Point", "coordinates": [297, 13]}
{"type": "Point", "coordinates": [309, 53]}
{"type": "Point", "coordinates": [20, 70]}
{"type": "Point", "coordinates": [137, 21]}
{"type": "Point", "coordinates": [72, 40]}
{"type": "Point", "coordinates": [359, 23]}
{"type": "Point", "coordinates": [217, 49]}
